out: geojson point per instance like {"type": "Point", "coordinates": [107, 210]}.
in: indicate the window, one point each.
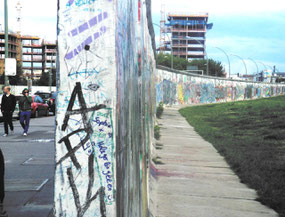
{"type": "Point", "coordinates": [26, 64]}
{"type": "Point", "coordinates": [37, 65]}
{"type": "Point", "coordinates": [27, 50]}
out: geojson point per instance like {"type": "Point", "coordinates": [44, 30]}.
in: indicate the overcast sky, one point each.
{"type": "Point", "coordinates": [248, 28]}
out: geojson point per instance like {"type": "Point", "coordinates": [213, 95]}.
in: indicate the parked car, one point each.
{"type": "Point", "coordinates": [49, 98]}
{"type": "Point", "coordinates": [39, 107]}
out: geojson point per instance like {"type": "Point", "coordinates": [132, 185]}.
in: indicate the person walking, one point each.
{"type": "Point", "coordinates": [25, 107]}
{"type": "Point", "coordinates": [8, 105]}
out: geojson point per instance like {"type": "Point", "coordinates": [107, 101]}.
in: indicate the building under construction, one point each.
{"type": "Point", "coordinates": [34, 56]}
{"type": "Point", "coordinates": [188, 34]}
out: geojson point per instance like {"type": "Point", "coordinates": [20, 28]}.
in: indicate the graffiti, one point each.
{"type": "Point", "coordinates": [159, 97]}
{"type": "Point", "coordinates": [169, 92]}
{"type": "Point", "coordinates": [93, 87]}
{"type": "Point", "coordinates": [105, 109]}
{"type": "Point", "coordinates": [87, 126]}
{"type": "Point", "coordinates": [85, 182]}
{"type": "Point", "coordinates": [81, 209]}
{"type": "Point", "coordinates": [71, 152]}
{"type": "Point", "coordinates": [70, 55]}
{"type": "Point", "coordinates": [191, 89]}
{"type": "Point", "coordinates": [180, 94]}
{"type": "Point", "coordinates": [92, 22]}
{"type": "Point", "coordinates": [80, 2]}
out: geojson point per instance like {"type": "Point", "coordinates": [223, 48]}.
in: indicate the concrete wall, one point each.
{"type": "Point", "coordinates": [177, 88]}
{"type": "Point", "coordinates": [105, 108]}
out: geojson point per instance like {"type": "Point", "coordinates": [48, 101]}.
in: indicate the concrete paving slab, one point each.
{"type": "Point", "coordinates": [24, 184]}
{"type": "Point", "coordinates": [213, 207]}
{"type": "Point", "coordinates": [195, 180]}
{"type": "Point", "coordinates": [38, 161]}
{"type": "Point", "coordinates": [27, 192]}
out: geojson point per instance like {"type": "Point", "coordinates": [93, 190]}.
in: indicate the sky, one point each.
{"type": "Point", "coordinates": [38, 17]}
{"type": "Point", "coordinates": [248, 28]}
{"type": "Point", "coordinates": [252, 29]}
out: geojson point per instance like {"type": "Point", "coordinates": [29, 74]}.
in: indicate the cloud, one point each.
{"type": "Point", "coordinates": [220, 7]}
{"type": "Point", "coordinates": [38, 17]}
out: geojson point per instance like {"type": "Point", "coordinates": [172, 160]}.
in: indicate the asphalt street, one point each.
{"type": "Point", "coordinates": [29, 165]}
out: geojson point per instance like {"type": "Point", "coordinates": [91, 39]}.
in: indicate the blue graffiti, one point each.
{"type": "Point", "coordinates": [79, 3]}
{"type": "Point", "coordinates": [91, 23]}
{"type": "Point", "coordinates": [88, 41]}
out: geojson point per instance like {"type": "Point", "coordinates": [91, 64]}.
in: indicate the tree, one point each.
{"type": "Point", "coordinates": [44, 80]}
{"type": "Point", "coordinates": [215, 67]}
{"type": "Point", "coordinates": [178, 63]}
{"type": "Point", "coordinates": [19, 78]}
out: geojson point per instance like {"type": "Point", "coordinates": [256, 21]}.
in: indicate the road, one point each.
{"type": "Point", "coordinates": [29, 164]}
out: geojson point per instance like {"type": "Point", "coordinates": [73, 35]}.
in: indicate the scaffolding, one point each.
{"type": "Point", "coordinates": [188, 34]}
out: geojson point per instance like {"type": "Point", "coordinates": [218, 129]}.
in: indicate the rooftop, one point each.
{"type": "Point", "coordinates": [183, 14]}
{"type": "Point", "coordinates": [30, 37]}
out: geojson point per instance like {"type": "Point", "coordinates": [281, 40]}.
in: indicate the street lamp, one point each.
{"type": "Point", "coordinates": [255, 64]}
{"type": "Point", "coordinates": [6, 37]}
{"type": "Point", "coordinates": [188, 37]}
{"type": "Point", "coordinates": [170, 46]}
{"type": "Point", "coordinates": [242, 61]}
{"type": "Point", "coordinates": [265, 67]}
{"type": "Point", "coordinates": [229, 62]}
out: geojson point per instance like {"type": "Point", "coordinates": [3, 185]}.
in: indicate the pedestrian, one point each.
{"type": "Point", "coordinates": [25, 107]}
{"type": "Point", "coordinates": [8, 105]}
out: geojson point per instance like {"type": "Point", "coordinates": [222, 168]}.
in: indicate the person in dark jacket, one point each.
{"type": "Point", "coordinates": [8, 105]}
{"type": "Point", "coordinates": [25, 107]}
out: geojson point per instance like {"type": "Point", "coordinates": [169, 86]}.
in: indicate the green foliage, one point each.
{"type": "Point", "coordinates": [44, 80]}
{"type": "Point", "coordinates": [156, 132]}
{"type": "Point", "coordinates": [251, 137]}
{"type": "Point", "coordinates": [178, 63]}
{"type": "Point", "coordinates": [157, 160]}
{"type": "Point", "coordinates": [280, 80]}
{"type": "Point", "coordinates": [159, 110]}
{"type": "Point", "coordinates": [215, 67]}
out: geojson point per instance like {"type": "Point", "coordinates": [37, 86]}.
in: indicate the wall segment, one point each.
{"type": "Point", "coordinates": [105, 108]}
{"type": "Point", "coordinates": [178, 88]}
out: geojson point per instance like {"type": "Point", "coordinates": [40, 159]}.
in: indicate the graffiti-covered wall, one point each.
{"type": "Point", "coordinates": [135, 107]}
{"type": "Point", "coordinates": [105, 108]}
{"type": "Point", "coordinates": [177, 88]}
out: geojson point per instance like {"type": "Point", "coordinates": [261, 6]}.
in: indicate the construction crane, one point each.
{"type": "Point", "coordinates": [19, 16]}
{"type": "Point", "coordinates": [162, 42]}
{"type": "Point", "coordinates": [19, 25]}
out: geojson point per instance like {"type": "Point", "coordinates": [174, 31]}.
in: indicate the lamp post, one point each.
{"type": "Point", "coordinates": [242, 61]}
{"type": "Point", "coordinates": [255, 65]}
{"type": "Point", "coordinates": [265, 67]}
{"type": "Point", "coordinates": [6, 38]}
{"type": "Point", "coordinates": [188, 37]}
{"type": "Point", "coordinates": [229, 62]}
{"type": "Point", "coordinates": [170, 46]}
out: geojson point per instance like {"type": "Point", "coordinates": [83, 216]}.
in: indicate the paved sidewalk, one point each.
{"type": "Point", "coordinates": [195, 181]}
{"type": "Point", "coordinates": [29, 174]}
